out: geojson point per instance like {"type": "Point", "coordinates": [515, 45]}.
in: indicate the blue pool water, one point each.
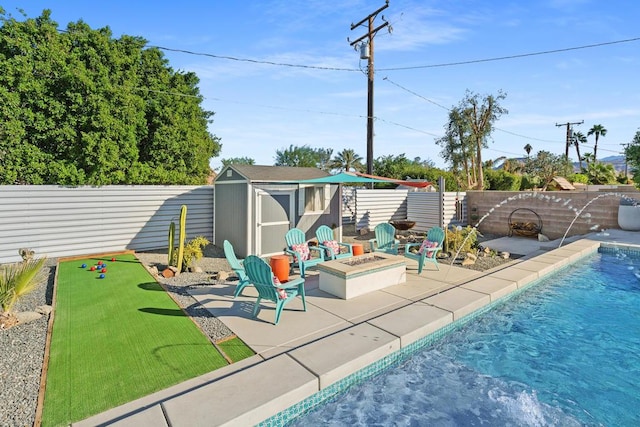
{"type": "Point", "coordinates": [565, 352]}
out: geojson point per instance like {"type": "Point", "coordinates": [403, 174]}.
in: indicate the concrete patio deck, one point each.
{"type": "Point", "coordinates": [309, 351]}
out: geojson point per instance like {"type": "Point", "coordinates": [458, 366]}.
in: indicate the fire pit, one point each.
{"type": "Point", "coordinates": [403, 224]}
{"type": "Point", "coordinates": [361, 274]}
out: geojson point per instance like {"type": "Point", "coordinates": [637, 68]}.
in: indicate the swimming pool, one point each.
{"type": "Point", "coordinates": [564, 352]}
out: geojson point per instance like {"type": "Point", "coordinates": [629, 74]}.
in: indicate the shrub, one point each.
{"type": "Point", "coordinates": [461, 240]}
{"type": "Point", "coordinates": [192, 251]}
{"type": "Point", "coordinates": [501, 180]}
{"type": "Point", "coordinates": [17, 280]}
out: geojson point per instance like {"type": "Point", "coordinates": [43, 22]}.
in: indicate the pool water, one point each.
{"type": "Point", "coordinates": [564, 352]}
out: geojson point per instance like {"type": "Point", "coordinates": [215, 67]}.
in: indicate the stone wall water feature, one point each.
{"type": "Point", "coordinates": [557, 210]}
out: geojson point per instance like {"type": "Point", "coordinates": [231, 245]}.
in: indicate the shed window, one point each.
{"type": "Point", "coordinates": [313, 199]}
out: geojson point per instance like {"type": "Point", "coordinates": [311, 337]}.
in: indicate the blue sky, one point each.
{"type": "Point", "coordinates": [261, 108]}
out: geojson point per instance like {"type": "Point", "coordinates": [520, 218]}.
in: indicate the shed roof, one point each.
{"type": "Point", "coordinates": [563, 183]}
{"type": "Point", "coordinates": [277, 173]}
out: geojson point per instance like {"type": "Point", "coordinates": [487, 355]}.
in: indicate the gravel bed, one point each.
{"type": "Point", "coordinates": [21, 357]}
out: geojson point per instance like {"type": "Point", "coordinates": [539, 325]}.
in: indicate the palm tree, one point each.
{"type": "Point", "coordinates": [578, 137]}
{"type": "Point", "coordinates": [597, 130]}
{"type": "Point", "coordinates": [346, 160]}
{"type": "Point", "coordinates": [528, 149]}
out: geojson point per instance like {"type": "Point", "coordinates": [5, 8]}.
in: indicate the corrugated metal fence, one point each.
{"type": "Point", "coordinates": [376, 206]}
{"type": "Point", "coordinates": [427, 209]}
{"type": "Point", "coordinates": [60, 221]}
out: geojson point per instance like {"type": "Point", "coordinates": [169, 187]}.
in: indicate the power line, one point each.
{"type": "Point", "coordinates": [502, 58]}
{"type": "Point", "coordinates": [254, 61]}
{"type": "Point", "coordinates": [448, 109]}
{"type": "Point", "coordinates": [447, 64]}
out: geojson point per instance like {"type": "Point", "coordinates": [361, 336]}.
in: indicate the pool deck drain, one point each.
{"type": "Point", "coordinates": [310, 352]}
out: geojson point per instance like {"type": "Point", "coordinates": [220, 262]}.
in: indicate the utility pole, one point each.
{"type": "Point", "coordinates": [366, 52]}
{"type": "Point", "coordinates": [568, 143]}
{"type": "Point", "coordinates": [626, 159]}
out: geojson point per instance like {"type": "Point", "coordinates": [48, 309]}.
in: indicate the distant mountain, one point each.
{"type": "Point", "coordinates": [617, 162]}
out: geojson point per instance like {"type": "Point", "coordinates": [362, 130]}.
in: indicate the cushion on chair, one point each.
{"type": "Point", "coordinates": [303, 250]}
{"type": "Point", "coordinates": [427, 244]}
{"type": "Point", "coordinates": [333, 245]}
{"type": "Point", "coordinates": [282, 294]}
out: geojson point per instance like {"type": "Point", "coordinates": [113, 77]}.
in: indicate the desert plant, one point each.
{"type": "Point", "coordinates": [17, 280]}
{"type": "Point", "coordinates": [193, 251]}
{"type": "Point", "coordinates": [183, 231]}
{"type": "Point", "coordinates": [461, 239]}
{"type": "Point", "coordinates": [172, 237]}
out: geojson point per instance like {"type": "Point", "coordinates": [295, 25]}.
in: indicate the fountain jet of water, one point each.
{"type": "Point", "coordinates": [578, 212]}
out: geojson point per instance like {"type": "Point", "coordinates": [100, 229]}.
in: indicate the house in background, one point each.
{"type": "Point", "coordinates": [256, 205]}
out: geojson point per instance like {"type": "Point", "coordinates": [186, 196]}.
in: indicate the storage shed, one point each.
{"type": "Point", "coordinates": [256, 205]}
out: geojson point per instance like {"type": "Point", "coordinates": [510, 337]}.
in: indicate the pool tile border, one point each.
{"type": "Point", "coordinates": [399, 356]}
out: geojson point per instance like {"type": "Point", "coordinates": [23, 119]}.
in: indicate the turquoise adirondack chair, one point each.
{"type": "Point", "coordinates": [236, 266]}
{"type": "Point", "coordinates": [385, 240]}
{"type": "Point", "coordinates": [325, 234]}
{"type": "Point", "coordinates": [430, 254]}
{"type": "Point", "coordinates": [296, 245]}
{"type": "Point", "coordinates": [261, 276]}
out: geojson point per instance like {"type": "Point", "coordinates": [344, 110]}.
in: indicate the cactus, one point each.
{"type": "Point", "coordinates": [172, 236]}
{"type": "Point", "coordinates": [183, 234]}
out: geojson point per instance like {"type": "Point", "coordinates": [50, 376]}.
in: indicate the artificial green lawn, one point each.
{"type": "Point", "coordinates": [117, 339]}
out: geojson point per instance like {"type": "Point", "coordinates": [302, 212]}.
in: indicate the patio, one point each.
{"type": "Point", "coordinates": [366, 329]}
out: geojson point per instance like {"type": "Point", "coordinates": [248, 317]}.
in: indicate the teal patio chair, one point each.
{"type": "Point", "coordinates": [428, 249]}
{"type": "Point", "coordinates": [385, 240]}
{"type": "Point", "coordinates": [262, 278]}
{"type": "Point", "coordinates": [325, 234]}
{"type": "Point", "coordinates": [303, 254]}
{"type": "Point", "coordinates": [236, 266]}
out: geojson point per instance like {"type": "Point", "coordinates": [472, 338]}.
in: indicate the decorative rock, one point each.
{"type": "Point", "coordinates": [168, 273]}
{"type": "Point", "coordinates": [468, 261]}
{"type": "Point", "coordinates": [26, 253]}
{"type": "Point", "coordinates": [27, 316]}
{"type": "Point", "coordinates": [542, 238]}
{"type": "Point", "coordinates": [45, 310]}
{"type": "Point", "coordinates": [223, 275]}
{"type": "Point", "coordinates": [472, 256]}
{"type": "Point", "coordinates": [364, 231]}
{"type": "Point", "coordinates": [505, 255]}
{"type": "Point", "coordinates": [195, 269]}
{"type": "Point", "coordinates": [7, 320]}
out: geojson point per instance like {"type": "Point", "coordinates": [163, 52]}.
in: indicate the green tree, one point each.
{"type": "Point", "coordinates": [598, 131]}
{"type": "Point", "coordinates": [632, 156]}
{"type": "Point", "coordinates": [323, 158]}
{"type": "Point", "coordinates": [347, 160]}
{"type": "Point", "coordinates": [480, 114]}
{"type": "Point", "coordinates": [527, 149]}
{"type": "Point", "coordinates": [502, 180]}
{"type": "Point", "coordinates": [238, 161]}
{"type": "Point", "coordinates": [457, 148]}
{"type": "Point", "coordinates": [545, 166]}
{"type": "Point", "coordinates": [303, 156]}
{"type": "Point", "coordinates": [391, 166]}
{"type": "Point", "coordinates": [577, 139]}
{"type": "Point", "coordinates": [600, 173]}
{"type": "Point", "coordinates": [80, 107]}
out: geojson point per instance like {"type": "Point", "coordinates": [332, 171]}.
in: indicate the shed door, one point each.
{"type": "Point", "coordinates": [274, 210]}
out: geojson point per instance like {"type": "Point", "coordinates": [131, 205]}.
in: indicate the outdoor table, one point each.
{"type": "Point", "coordinates": [280, 266]}
{"type": "Point", "coordinates": [358, 249]}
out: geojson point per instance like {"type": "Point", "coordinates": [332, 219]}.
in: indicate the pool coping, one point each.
{"type": "Point", "coordinates": [273, 388]}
